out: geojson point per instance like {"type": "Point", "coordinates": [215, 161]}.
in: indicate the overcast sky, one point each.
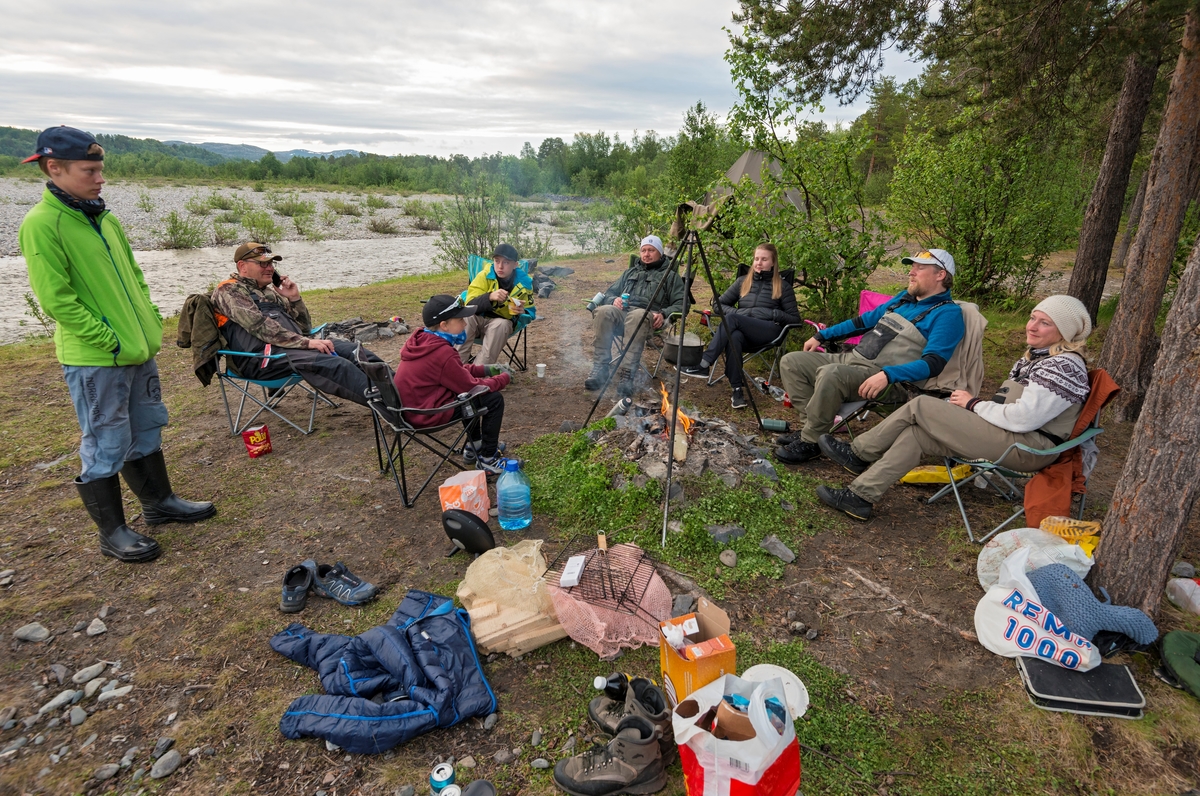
{"type": "Point", "coordinates": [385, 76]}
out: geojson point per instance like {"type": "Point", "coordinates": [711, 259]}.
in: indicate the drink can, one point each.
{"type": "Point", "coordinates": [625, 301]}
{"type": "Point", "coordinates": [442, 777]}
{"type": "Point", "coordinates": [450, 790]}
{"type": "Point", "coordinates": [258, 441]}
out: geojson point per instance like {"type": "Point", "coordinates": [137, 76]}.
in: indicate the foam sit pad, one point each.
{"type": "Point", "coordinates": [1107, 690]}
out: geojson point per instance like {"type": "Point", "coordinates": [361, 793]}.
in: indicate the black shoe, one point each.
{"type": "Point", "coordinates": [696, 371]}
{"type": "Point", "coordinates": [296, 583]}
{"type": "Point", "coordinates": [846, 502]}
{"type": "Point", "coordinates": [797, 452]}
{"type": "Point", "coordinates": [842, 453]}
{"type": "Point", "coordinates": [597, 377]}
{"type": "Point", "coordinates": [147, 478]}
{"type": "Point", "coordinates": [738, 399]}
{"type": "Point", "coordinates": [626, 388]}
{"type": "Point", "coordinates": [783, 440]}
{"type": "Point", "coordinates": [102, 499]}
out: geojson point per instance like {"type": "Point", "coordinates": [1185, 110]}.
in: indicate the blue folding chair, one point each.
{"type": "Point", "coordinates": [517, 339]}
{"type": "Point", "coordinates": [273, 392]}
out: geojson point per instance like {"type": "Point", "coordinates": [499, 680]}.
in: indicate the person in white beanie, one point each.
{"type": "Point", "coordinates": [640, 283]}
{"type": "Point", "coordinates": [1037, 406]}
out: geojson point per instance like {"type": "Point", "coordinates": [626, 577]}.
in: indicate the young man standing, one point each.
{"type": "Point", "coordinates": [107, 333]}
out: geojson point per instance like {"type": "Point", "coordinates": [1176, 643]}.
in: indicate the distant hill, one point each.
{"type": "Point", "coordinates": [248, 152]}
{"type": "Point", "coordinates": [284, 157]}
{"type": "Point", "coordinates": [20, 143]}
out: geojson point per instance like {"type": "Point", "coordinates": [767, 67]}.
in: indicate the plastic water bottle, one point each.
{"type": "Point", "coordinates": [513, 498]}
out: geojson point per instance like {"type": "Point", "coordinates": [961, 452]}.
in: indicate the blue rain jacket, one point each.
{"type": "Point", "coordinates": [391, 683]}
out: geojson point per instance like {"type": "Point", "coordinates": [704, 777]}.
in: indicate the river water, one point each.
{"type": "Point", "coordinates": [173, 275]}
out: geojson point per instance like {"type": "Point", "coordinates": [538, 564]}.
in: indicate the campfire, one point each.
{"type": "Point", "coordinates": [684, 425]}
{"type": "Point", "coordinates": [643, 435]}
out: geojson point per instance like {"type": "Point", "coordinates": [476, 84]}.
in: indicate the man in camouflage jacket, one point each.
{"type": "Point", "coordinates": [255, 314]}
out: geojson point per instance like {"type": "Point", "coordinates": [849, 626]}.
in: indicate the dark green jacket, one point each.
{"type": "Point", "coordinates": [640, 281]}
{"type": "Point", "coordinates": [86, 279]}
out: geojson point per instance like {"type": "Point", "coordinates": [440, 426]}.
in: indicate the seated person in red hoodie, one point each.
{"type": "Point", "coordinates": [432, 374]}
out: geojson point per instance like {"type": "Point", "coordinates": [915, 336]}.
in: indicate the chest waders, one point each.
{"type": "Point", "coordinates": [1057, 430]}
{"type": "Point", "coordinates": [894, 340]}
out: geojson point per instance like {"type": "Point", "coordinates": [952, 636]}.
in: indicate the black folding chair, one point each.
{"type": "Point", "coordinates": [394, 430]}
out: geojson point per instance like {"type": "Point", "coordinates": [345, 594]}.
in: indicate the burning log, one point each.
{"type": "Point", "coordinates": [685, 425]}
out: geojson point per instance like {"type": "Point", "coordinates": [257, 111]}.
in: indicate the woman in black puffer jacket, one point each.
{"type": "Point", "coordinates": [756, 308]}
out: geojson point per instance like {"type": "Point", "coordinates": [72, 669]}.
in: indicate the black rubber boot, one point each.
{"type": "Point", "coordinates": [102, 499]}
{"type": "Point", "coordinates": [147, 478]}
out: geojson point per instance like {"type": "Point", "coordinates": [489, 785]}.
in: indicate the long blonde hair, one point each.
{"type": "Point", "coordinates": [776, 279]}
{"type": "Point", "coordinates": [1078, 348]}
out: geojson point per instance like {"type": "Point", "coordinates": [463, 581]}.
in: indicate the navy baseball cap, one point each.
{"type": "Point", "coordinates": [443, 308]}
{"type": "Point", "coordinates": [64, 142]}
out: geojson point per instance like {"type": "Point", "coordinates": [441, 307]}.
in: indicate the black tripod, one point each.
{"type": "Point", "coordinates": [691, 242]}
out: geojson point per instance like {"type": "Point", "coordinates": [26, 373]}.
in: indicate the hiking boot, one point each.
{"type": "Point", "coordinates": [630, 763]}
{"type": "Point", "coordinates": [597, 377]}
{"type": "Point", "coordinates": [846, 502]}
{"type": "Point", "coordinates": [337, 583]}
{"type": "Point", "coordinates": [626, 387]}
{"type": "Point", "coordinates": [696, 371]}
{"type": "Point", "coordinates": [797, 452]}
{"type": "Point", "coordinates": [841, 453]}
{"type": "Point", "coordinates": [102, 499]}
{"type": "Point", "coordinates": [783, 440]}
{"type": "Point", "coordinates": [147, 478]}
{"type": "Point", "coordinates": [642, 698]}
{"type": "Point", "coordinates": [738, 399]}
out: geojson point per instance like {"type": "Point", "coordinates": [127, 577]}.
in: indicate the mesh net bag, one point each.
{"type": "Point", "coordinates": [605, 627]}
{"type": "Point", "coordinates": [512, 577]}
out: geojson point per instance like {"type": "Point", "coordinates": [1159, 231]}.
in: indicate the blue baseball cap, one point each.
{"type": "Point", "coordinates": [66, 143]}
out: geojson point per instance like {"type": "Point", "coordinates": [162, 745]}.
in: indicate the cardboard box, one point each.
{"type": "Point", "coordinates": [732, 725]}
{"type": "Point", "coordinates": [709, 654]}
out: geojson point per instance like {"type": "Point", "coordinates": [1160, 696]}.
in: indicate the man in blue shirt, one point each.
{"type": "Point", "coordinates": [909, 338]}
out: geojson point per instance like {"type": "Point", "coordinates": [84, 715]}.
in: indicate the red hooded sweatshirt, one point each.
{"type": "Point", "coordinates": [431, 374]}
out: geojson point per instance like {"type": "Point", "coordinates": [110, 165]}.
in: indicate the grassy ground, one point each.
{"type": "Point", "coordinates": [966, 728]}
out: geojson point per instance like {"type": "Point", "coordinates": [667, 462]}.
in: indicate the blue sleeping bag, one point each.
{"type": "Point", "coordinates": [391, 683]}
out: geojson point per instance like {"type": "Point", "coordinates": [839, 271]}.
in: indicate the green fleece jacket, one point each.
{"type": "Point", "coordinates": [86, 279]}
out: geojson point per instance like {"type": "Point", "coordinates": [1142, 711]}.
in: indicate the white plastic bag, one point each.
{"type": "Point", "coordinates": [1184, 593]}
{"type": "Point", "coordinates": [767, 764]}
{"type": "Point", "coordinates": [1011, 621]}
{"type": "Point", "coordinates": [1044, 548]}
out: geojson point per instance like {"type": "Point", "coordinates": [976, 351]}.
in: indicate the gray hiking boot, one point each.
{"type": "Point", "coordinates": [630, 763]}
{"type": "Point", "coordinates": [643, 698]}
{"type": "Point", "coordinates": [597, 377]}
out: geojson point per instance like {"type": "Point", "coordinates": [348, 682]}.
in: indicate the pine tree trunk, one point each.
{"type": "Point", "coordinates": [1103, 215]}
{"type": "Point", "coordinates": [1148, 517]}
{"type": "Point", "coordinates": [1135, 216]}
{"type": "Point", "coordinates": [1130, 342]}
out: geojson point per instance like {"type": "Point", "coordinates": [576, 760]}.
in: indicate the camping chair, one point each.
{"type": "Point", "coordinates": [778, 346]}
{"type": "Point", "coordinates": [273, 392]}
{"type": "Point", "coordinates": [670, 326]}
{"type": "Point", "coordinates": [998, 477]}
{"type": "Point", "coordinates": [394, 430]}
{"type": "Point", "coordinates": [519, 360]}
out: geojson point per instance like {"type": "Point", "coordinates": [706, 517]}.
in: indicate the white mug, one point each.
{"type": "Point", "coordinates": [541, 370]}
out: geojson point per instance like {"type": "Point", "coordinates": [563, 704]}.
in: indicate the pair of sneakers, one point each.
{"type": "Point", "coordinates": [333, 581]}
{"type": "Point", "coordinates": [493, 464]}
{"type": "Point", "coordinates": [634, 760]}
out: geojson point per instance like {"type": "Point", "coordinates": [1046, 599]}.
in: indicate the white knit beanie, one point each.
{"type": "Point", "coordinates": [1069, 315]}
{"type": "Point", "coordinates": [653, 240]}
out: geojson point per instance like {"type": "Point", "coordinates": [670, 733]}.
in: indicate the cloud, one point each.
{"type": "Point", "coordinates": [387, 76]}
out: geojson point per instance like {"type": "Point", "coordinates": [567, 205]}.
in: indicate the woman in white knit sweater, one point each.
{"type": "Point", "coordinates": [1037, 406]}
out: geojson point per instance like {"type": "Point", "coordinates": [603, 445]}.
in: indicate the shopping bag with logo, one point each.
{"type": "Point", "coordinates": [466, 491]}
{"type": "Point", "coordinates": [1011, 621]}
{"type": "Point", "coordinates": [736, 738]}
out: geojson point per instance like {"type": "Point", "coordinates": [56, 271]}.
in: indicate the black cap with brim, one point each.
{"type": "Point", "coordinates": [64, 143]}
{"type": "Point", "coordinates": [443, 307]}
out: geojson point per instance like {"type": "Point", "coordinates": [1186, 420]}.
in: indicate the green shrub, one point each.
{"type": "Point", "coordinates": [431, 217]}
{"type": "Point", "coordinates": [261, 227]}
{"type": "Point", "coordinates": [35, 311]}
{"type": "Point", "coordinates": [219, 201]}
{"type": "Point", "coordinates": [376, 202]}
{"type": "Point", "coordinates": [290, 205]}
{"type": "Point", "coordinates": [182, 232]}
{"type": "Point", "coordinates": [145, 203]}
{"type": "Point", "coordinates": [877, 187]}
{"type": "Point", "coordinates": [384, 226]}
{"type": "Point", "coordinates": [328, 217]}
{"type": "Point", "coordinates": [197, 206]}
{"type": "Point", "coordinates": [344, 208]}
{"type": "Point", "coordinates": [259, 186]}
{"type": "Point", "coordinates": [307, 227]}
{"type": "Point", "coordinates": [224, 234]}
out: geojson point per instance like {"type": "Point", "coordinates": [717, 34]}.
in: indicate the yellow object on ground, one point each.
{"type": "Point", "coordinates": [1088, 544]}
{"type": "Point", "coordinates": [1070, 529]}
{"type": "Point", "coordinates": [934, 474]}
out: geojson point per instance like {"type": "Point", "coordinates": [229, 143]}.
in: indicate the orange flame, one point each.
{"type": "Point", "coordinates": [685, 422]}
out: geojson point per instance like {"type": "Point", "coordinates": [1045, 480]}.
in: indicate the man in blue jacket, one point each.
{"type": "Point", "coordinates": [909, 338]}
